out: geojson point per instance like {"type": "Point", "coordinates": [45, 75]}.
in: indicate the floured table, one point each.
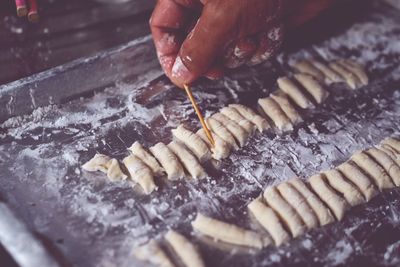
{"type": "Point", "coordinates": [82, 219]}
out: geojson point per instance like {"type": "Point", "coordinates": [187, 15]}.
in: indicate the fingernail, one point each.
{"type": "Point", "coordinates": [180, 73]}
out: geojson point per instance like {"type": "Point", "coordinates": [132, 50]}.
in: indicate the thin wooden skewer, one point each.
{"type": "Point", "coordinates": [22, 10]}
{"type": "Point", "coordinates": [196, 108]}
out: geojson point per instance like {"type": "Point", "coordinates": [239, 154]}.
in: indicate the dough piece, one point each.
{"type": "Point", "coordinates": [349, 77]}
{"type": "Point", "coordinates": [234, 115]}
{"type": "Point", "coordinates": [189, 161]}
{"type": "Point", "coordinates": [306, 67]}
{"type": "Point", "coordinates": [336, 203]}
{"type": "Point", "coordinates": [299, 203]}
{"type": "Point", "coordinates": [221, 150]}
{"type": "Point", "coordinates": [340, 184]}
{"type": "Point", "coordinates": [313, 87]}
{"type": "Point", "coordinates": [140, 173]}
{"type": "Point", "coordinates": [185, 250]}
{"type": "Point", "coordinates": [193, 142]}
{"type": "Point", "coordinates": [276, 114]}
{"type": "Point", "coordinates": [152, 253]}
{"type": "Point", "coordinates": [357, 177]}
{"type": "Point", "coordinates": [356, 69]}
{"type": "Point", "coordinates": [376, 172]}
{"type": "Point", "coordinates": [138, 150]}
{"type": "Point", "coordinates": [393, 143]}
{"type": "Point", "coordinates": [220, 130]}
{"type": "Point", "coordinates": [228, 233]}
{"type": "Point", "coordinates": [390, 152]}
{"type": "Point", "coordinates": [250, 115]}
{"type": "Point", "coordinates": [330, 75]}
{"type": "Point", "coordinates": [106, 165]}
{"type": "Point", "coordinates": [388, 164]}
{"type": "Point", "coordinates": [168, 160]}
{"type": "Point", "coordinates": [285, 211]}
{"type": "Point", "coordinates": [235, 129]}
{"type": "Point", "coordinates": [269, 220]}
{"type": "Point", "coordinates": [323, 213]}
{"type": "Point", "coordinates": [282, 99]}
{"type": "Point", "coordinates": [294, 92]}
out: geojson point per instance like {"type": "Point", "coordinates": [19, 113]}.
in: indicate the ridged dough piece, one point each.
{"type": "Point", "coordinates": [388, 164]}
{"type": "Point", "coordinates": [323, 213]}
{"type": "Point", "coordinates": [294, 92]}
{"type": "Point", "coordinates": [193, 142]}
{"type": "Point", "coordinates": [306, 67]}
{"type": "Point", "coordinates": [313, 87]}
{"type": "Point", "coordinates": [138, 150]}
{"type": "Point", "coordinates": [189, 161]}
{"type": "Point", "coordinates": [393, 143]}
{"type": "Point", "coordinates": [153, 253]}
{"type": "Point", "coordinates": [186, 251]}
{"type": "Point", "coordinates": [250, 115]}
{"type": "Point", "coordinates": [168, 160]}
{"type": "Point", "coordinates": [269, 220]}
{"type": "Point", "coordinates": [330, 75]}
{"type": "Point", "coordinates": [235, 129]}
{"type": "Point", "coordinates": [276, 114]}
{"type": "Point", "coordinates": [299, 203]}
{"type": "Point", "coordinates": [221, 150]}
{"type": "Point", "coordinates": [228, 233]}
{"type": "Point", "coordinates": [340, 184]}
{"type": "Point", "coordinates": [288, 215]}
{"type": "Point", "coordinates": [357, 177]}
{"type": "Point", "coordinates": [349, 77]}
{"type": "Point", "coordinates": [283, 100]}
{"type": "Point", "coordinates": [356, 69]}
{"type": "Point", "coordinates": [140, 173]}
{"type": "Point", "coordinates": [390, 152]}
{"type": "Point", "coordinates": [376, 172]}
{"type": "Point", "coordinates": [220, 130]}
{"type": "Point", "coordinates": [106, 165]}
{"type": "Point", "coordinates": [336, 203]}
{"type": "Point", "coordinates": [234, 115]}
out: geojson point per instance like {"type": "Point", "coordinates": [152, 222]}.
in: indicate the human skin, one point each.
{"type": "Point", "coordinates": [195, 38]}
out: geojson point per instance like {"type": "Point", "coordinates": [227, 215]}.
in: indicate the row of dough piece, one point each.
{"type": "Point", "coordinates": [291, 208]}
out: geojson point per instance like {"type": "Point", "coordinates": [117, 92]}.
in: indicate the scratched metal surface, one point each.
{"type": "Point", "coordinates": [84, 220]}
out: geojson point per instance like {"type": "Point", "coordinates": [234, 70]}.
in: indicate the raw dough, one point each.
{"type": "Point", "coordinates": [299, 203]}
{"type": "Point", "coordinates": [357, 177]}
{"type": "Point", "coordinates": [336, 203]}
{"type": "Point", "coordinates": [138, 150]}
{"type": "Point", "coordinates": [283, 100]}
{"type": "Point", "coordinates": [349, 77]}
{"type": "Point", "coordinates": [275, 113]}
{"type": "Point", "coordinates": [234, 115]}
{"type": "Point", "coordinates": [220, 130]}
{"type": "Point", "coordinates": [221, 150]}
{"type": "Point", "coordinates": [269, 220]}
{"type": "Point", "coordinates": [390, 152]}
{"type": "Point", "coordinates": [140, 173]}
{"type": "Point", "coordinates": [330, 75]}
{"type": "Point", "coordinates": [306, 67]}
{"type": "Point", "coordinates": [349, 191]}
{"type": "Point", "coordinates": [229, 233]}
{"type": "Point", "coordinates": [313, 87]}
{"type": "Point", "coordinates": [185, 250]}
{"type": "Point", "coordinates": [235, 129]}
{"type": "Point", "coordinates": [106, 165]}
{"type": "Point", "coordinates": [193, 142]}
{"type": "Point", "coordinates": [294, 92]}
{"type": "Point", "coordinates": [356, 69]}
{"type": "Point", "coordinates": [168, 160]}
{"type": "Point", "coordinates": [152, 253]}
{"type": "Point", "coordinates": [189, 161]}
{"type": "Point", "coordinates": [393, 143]}
{"type": "Point", "coordinates": [376, 172]}
{"type": "Point", "coordinates": [388, 164]}
{"type": "Point", "coordinates": [250, 115]}
{"type": "Point", "coordinates": [289, 216]}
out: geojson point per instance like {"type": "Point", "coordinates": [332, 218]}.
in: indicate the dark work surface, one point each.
{"type": "Point", "coordinates": [5, 258]}
{"type": "Point", "coordinates": [68, 29]}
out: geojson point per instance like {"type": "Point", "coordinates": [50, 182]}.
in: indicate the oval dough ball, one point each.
{"type": "Point", "coordinates": [234, 115]}
{"type": "Point", "coordinates": [276, 114]}
{"type": "Point", "coordinates": [140, 173]}
{"type": "Point", "coordinates": [168, 160]}
{"type": "Point", "coordinates": [313, 87]}
{"type": "Point", "coordinates": [138, 150]}
{"type": "Point", "coordinates": [294, 92]}
{"type": "Point", "coordinates": [250, 115]}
